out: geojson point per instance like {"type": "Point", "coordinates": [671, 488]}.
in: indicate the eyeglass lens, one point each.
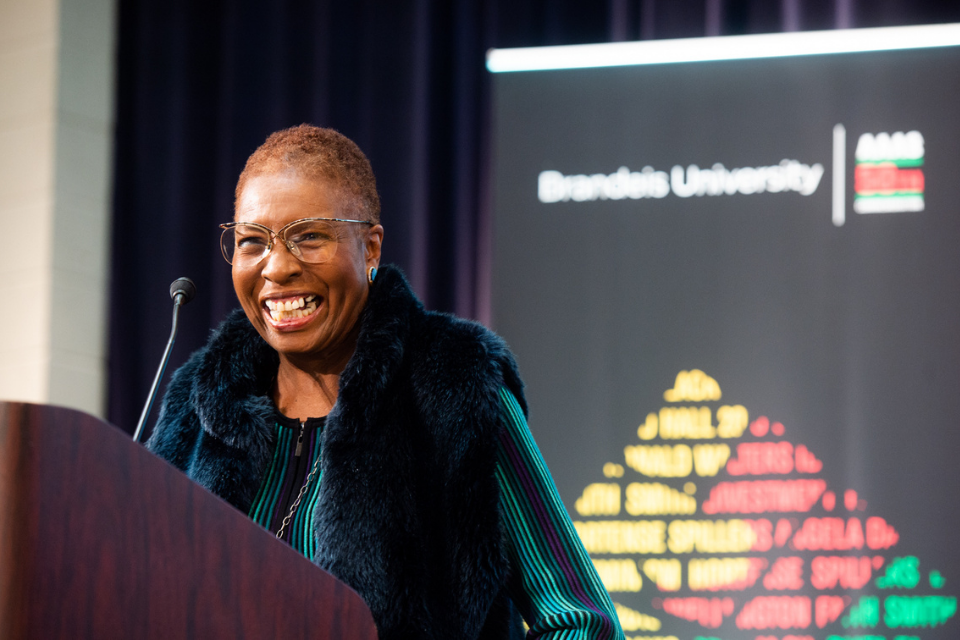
{"type": "Point", "coordinates": [313, 241]}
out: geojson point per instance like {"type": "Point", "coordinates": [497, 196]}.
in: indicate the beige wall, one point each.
{"type": "Point", "coordinates": [56, 126]}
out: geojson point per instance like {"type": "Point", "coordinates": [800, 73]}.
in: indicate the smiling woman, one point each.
{"type": "Point", "coordinates": [313, 348]}
{"type": "Point", "coordinates": [387, 443]}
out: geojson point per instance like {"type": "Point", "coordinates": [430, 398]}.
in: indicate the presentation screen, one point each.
{"type": "Point", "coordinates": [733, 290]}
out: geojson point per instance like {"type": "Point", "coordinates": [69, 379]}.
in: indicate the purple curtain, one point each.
{"type": "Point", "coordinates": [201, 84]}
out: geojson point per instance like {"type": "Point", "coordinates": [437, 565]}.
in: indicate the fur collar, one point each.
{"type": "Point", "coordinates": [408, 511]}
{"type": "Point", "coordinates": [236, 370]}
{"type": "Point", "coordinates": [235, 373]}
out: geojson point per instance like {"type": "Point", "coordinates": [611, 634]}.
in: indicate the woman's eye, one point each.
{"type": "Point", "coordinates": [311, 237]}
{"type": "Point", "coordinates": [251, 242]}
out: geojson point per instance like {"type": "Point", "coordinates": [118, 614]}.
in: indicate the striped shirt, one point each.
{"type": "Point", "coordinates": [553, 584]}
{"type": "Point", "coordinates": [296, 455]}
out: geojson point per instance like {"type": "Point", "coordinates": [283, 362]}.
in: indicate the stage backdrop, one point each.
{"type": "Point", "coordinates": [733, 288]}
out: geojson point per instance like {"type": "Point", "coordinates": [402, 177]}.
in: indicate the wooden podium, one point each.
{"type": "Point", "coordinates": [100, 539]}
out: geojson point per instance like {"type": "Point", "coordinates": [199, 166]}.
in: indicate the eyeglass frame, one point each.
{"type": "Point", "coordinates": [294, 250]}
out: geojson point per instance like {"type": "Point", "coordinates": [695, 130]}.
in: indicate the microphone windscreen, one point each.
{"type": "Point", "coordinates": [184, 287]}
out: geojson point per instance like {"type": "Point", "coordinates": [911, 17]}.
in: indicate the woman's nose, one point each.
{"type": "Point", "coordinates": [280, 264]}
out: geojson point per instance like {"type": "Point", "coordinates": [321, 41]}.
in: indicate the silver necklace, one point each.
{"type": "Point", "coordinates": [303, 489]}
{"type": "Point", "coordinates": [296, 503]}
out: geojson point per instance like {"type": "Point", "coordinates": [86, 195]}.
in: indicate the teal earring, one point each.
{"type": "Point", "coordinates": [371, 274]}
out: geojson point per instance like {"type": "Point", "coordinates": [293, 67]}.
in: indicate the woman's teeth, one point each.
{"type": "Point", "coordinates": [292, 308]}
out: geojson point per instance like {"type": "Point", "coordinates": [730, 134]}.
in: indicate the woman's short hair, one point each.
{"type": "Point", "coordinates": [322, 154]}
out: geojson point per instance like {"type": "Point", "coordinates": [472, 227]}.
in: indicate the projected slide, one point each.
{"type": "Point", "coordinates": [733, 288]}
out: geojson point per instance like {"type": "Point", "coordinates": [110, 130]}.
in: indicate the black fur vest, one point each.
{"type": "Point", "coordinates": [408, 513]}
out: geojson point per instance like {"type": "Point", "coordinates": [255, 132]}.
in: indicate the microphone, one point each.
{"type": "Point", "coordinates": [182, 291]}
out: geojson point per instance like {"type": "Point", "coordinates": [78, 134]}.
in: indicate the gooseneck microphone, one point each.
{"type": "Point", "coordinates": [182, 291]}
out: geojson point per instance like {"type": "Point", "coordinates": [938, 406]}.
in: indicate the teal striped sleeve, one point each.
{"type": "Point", "coordinates": [553, 584]}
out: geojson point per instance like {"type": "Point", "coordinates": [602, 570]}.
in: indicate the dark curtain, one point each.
{"type": "Point", "coordinates": [201, 84]}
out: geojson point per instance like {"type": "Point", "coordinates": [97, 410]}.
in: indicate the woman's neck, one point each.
{"type": "Point", "coordinates": [305, 388]}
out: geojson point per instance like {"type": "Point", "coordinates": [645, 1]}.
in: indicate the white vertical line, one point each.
{"type": "Point", "coordinates": [839, 175]}
{"type": "Point", "coordinates": [790, 12]}
{"type": "Point", "coordinates": [714, 17]}
{"type": "Point", "coordinates": [618, 20]}
{"type": "Point", "coordinates": [647, 18]}
{"type": "Point", "coordinates": [844, 14]}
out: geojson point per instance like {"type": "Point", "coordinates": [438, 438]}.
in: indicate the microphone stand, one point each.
{"type": "Point", "coordinates": [182, 291]}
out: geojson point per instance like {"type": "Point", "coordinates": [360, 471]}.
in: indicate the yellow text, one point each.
{"type": "Point", "coordinates": [710, 536]}
{"type": "Point", "coordinates": [599, 499]}
{"type": "Point", "coordinates": [619, 536]}
{"type": "Point", "coordinates": [714, 574]}
{"type": "Point", "coordinates": [660, 461]}
{"type": "Point", "coordinates": [678, 423]}
{"type": "Point", "coordinates": [708, 459]}
{"type": "Point", "coordinates": [653, 499]}
{"type": "Point", "coordinates": [631, 620]}
{"type": "Point", "coordinates": [732, 420]}
{"type": "Point", "coordinates": [693, 385]}
{"type": "Point", "coordinates": [619, 575]}
{"type": "Point", "coordinates": [666, 574]}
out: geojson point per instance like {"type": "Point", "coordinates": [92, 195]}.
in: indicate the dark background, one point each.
{"type": "Point", "coordinates": [847, 335]}
{"type": "Point", "coordinates": [201, 84]}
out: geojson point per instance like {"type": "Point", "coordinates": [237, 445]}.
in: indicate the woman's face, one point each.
{"type": "Point", "coordinates": [331, 295]}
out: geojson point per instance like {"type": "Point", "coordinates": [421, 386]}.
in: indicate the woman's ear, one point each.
{"type": "Point", "coordinates": [371, 245]}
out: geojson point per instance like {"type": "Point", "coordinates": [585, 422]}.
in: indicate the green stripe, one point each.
{"type": "Point", "coordinates": [548, 602]}
{"type": "Point", "coordinates": [310, 544]}
{"type": "Point", "coordinates": [900, 162]}
{"type": "Point", "coordinates": [896, 195]}
{"type": "Point", "coordinates": [548, 495]}
{"type": "Point", "coordinates": [304, 516]}
{"type": "Point", "coordinates": [543, 594]}
{"type": "Point", "coordinates": [263, 505]}
{"type": "Point", "coordinates": [276, 482]}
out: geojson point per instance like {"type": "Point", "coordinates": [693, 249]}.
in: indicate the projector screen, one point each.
{"type": "Point", "coordinates": [733, 289]}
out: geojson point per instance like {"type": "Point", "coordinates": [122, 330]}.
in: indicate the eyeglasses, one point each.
{"type": "Point", "coordinates": [311, 240]}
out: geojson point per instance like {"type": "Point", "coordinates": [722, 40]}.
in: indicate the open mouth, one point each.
{"type": "Point", "coordinates": [291, 308]}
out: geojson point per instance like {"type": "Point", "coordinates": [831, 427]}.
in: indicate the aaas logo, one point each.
{"type": "Point", "coordinates": [888, 177]}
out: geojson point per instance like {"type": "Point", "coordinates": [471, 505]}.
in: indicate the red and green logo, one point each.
{"type": "Point", "coordinates": [888, 177]}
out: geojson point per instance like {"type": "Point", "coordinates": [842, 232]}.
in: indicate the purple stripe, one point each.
{"type": "Point", "coordinates": [302, 512]}
{"type": "Point", "coordinates": [286, 488]}
{"type": "Point", "coordinates": [573, 579]}
{"type": "Point", "coordinates": [545, 525]}
{"type": "Point", "coordinates": [297, 520]}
